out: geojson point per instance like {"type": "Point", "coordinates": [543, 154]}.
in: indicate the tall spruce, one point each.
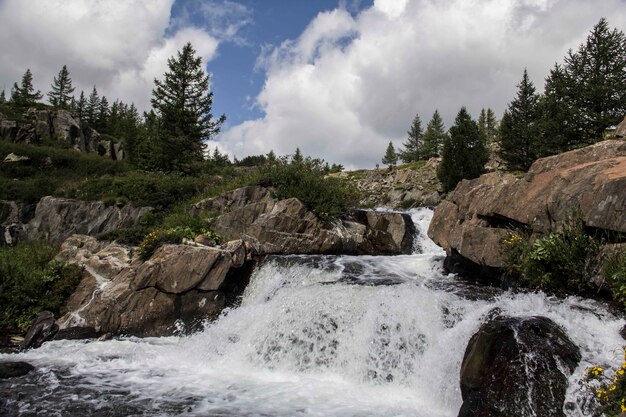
{"type": "Point", "coordinates": [81, 105]}
{"type": "Point", "coordinates": [391, 157]}
{"type": "Point", "coordinates": [183, 101]}
{"type": "Point", "coordinates": [104, 112]}
{"type": "Point", "coordinates": [92, 107]}
{"type": "Point", "coordinates": [464, 152]}
{"type": "Point", "coordinates": [3, 97]}
{"type": "Point", "coordinates": [587, 94]}
{"type": "Point", "coordinates": [25, 95]}
{"type": "Point", "coordinates": [434, 136]}
{"type": "Point", "coordinates": [61, 94]}
{"type": "Point", "coordinates": [413, 145]}
{"type": "Point", "coordinates": [520, 137]}
{"type": "Point", "coordinates": [491, 128]}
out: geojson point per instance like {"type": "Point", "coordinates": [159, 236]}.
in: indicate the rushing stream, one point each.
{"type": "Point", "coordinates": [313, 336]}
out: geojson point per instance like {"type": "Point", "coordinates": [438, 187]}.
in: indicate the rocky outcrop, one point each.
{"type": "Point", "coordinates": [620, 130]}
{"type": "Point", "coordinates": [479, 213]}
{"type": "Point", "coordinates": [178, 288]}
{"type": "Point", "coordinates": [59, 125]}
{"type": "Point", "coordinates": [288, 227]}
{"type": "Point", "coordinates": [13, 218]}
{"type": "Point", "coordinates": [42, 329]}
{"type": "Point", "coordinates": [514, 366]}
{"type": "Point", "coordinates": [410, 185]}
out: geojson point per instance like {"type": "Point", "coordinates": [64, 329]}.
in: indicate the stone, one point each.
{"type": "Point", "coordinates": [15, 158]}
{"type": "Point", "coordinates": [620, 130]}
{"type": "Point", "coordinates": [42, 329]}
{"type": "Point", "coordinates": [479, 213]}
{"type": "Point", "coordinates": [14, 369]}
{"type": "Point", "coordinates": [76, 333]}
{"type": "Point", "coordinates": [517, 366]}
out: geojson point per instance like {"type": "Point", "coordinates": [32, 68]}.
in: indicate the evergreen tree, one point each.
{"type": "Point", "coordinates": [92, 107]}
{"type": "Point", "coordinates": [25, 95]}
{"type": "Point", "coordinates": [413, 145]}
{"type": "Point", "coordinates": [391, 157]}
{"type": "Point", "coordinates": [104, 113]}
{"type": "Point", "coordinates": [520, 129]}
{"type": "Point", "coordinates": [297, 158]}
{"type": "Point", "coordinates": [81, 105]}
{"type": "Point", "coordinates": [464, 153]}
{"type": "Point", "coordinates": [3, 97]}
{"type": "Point", "coordinates": [271, 157]}
{"type": "Point", "coordinates": [434, 137]}
{"type": "Point", "coordinates": [184, 103]}
{"type": "Point", "coordinates": [588, 93]}
{"type": "Point", "coordinates": [62, 89]}
{"type": "Point", "coordinates": [491, 126]}
{"type": "Point", "coordinates": [482, 121]}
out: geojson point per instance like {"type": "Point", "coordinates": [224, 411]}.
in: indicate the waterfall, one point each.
{"type": "Point", "coordinates": [312, 336]}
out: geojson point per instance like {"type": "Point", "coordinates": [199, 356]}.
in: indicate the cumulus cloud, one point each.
{"type": "Point", "coordinates": [349, 84]}
{"type": "Point", "coordinates": [118, 45]}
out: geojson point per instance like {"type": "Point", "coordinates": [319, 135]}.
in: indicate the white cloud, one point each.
{"type": "Point", "coordinates": [348, 84]}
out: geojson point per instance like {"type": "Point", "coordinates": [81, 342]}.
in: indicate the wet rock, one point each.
{"type": "Point", "coordinates": [76, 333]}
{"type": "Point", "coordinates": [288, 227]}
{"type": "Point", "coordinates": [622, 332]}
{"type": "Point", "coordinates": [513, 366]}
{"type": "Point", "coordinates": [14, 369]}
{"type": "Point", "coordinates": [41, 330]}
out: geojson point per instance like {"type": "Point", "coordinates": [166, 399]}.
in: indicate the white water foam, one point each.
{"type": "Point", "coordinates": [316, 336]}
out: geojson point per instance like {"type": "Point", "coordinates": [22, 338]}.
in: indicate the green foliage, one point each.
{"type": "Point", "coordinates": [30, 281]}
{"type": "Point", "coordinates": [614, 271]}
{"type": "Point", "coordinates": [561, 262]}
{"type": "Point", "coordinates": [326, 196]}
{"type": "Point", "coordinates": [464, 152]}
{"type": "Point", "coordinates": [60, 95]}
{"type": "Point", "coordinates": [413, 146]}
{"type": "Point", "coordinates": [160, 236]}
{"type": "Point", "coordinates": [434, 137]}
{"type": "Point", "coordinates": [391, 157]}
{"type": "Point", "coordinates": [25, 94]}
{"type": "Point", "coordinates": [520, 138]}
{"type": "Point", "coordinates": [487, 124]}
{"type": "Point", "coordinates": [609, 391]}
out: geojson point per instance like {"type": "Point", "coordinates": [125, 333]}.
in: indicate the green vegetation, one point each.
{"type": "Point", "coordinates": [434, 137]}
{"type": "Point", "coordinates": [391, 157]}
{"type": "Point", "coordinates": [413, 146]}
{"type": "Point", "coordinates": [31, 281]}
{"type": "Point", "coordinates": [609, 391]}
{"type": "Point", "coordinates": [59, 96]}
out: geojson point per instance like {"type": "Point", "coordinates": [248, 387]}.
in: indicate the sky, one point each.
{"type": "Point", "coordinates": [338, 79]}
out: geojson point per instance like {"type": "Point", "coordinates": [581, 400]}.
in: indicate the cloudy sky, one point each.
{"type": "Point", "coordinates": [336, 78]}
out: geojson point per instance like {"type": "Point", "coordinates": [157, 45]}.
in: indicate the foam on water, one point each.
{"type": "Point", "coordinates": [313, 336]}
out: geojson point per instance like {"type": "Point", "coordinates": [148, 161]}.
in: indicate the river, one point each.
{"type": "Point", "coordinates": [313, 336]}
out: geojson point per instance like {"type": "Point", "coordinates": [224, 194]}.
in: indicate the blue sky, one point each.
{"type": "Point", "coordinates": [338, 79]}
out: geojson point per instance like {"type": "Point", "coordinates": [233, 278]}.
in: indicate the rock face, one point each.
{"type": "Point", "coordinates": [59, 124]}
{"type": "Point", "coordinates": [55, 219]}
{"type": "Point", "coordinates": [620, 130]}
{"type": "Point", "coordinates": [514, 367]}
{"type": "Point", "coordinates": [179, 285]}
{"type": "Point", "coordinates": [475, 217]}
{"type": "Point", "coordinates": [288, 227]}
{"type": "Point", "coordinates": [41, 330]}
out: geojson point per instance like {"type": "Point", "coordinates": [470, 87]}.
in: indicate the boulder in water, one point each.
{"type": "Point", "coordinates": [513, 366]}
{"type": "Point", "coordinates": [14, 369]}
{"type": "Point", "coordinates": [41, 330]}
{"type": "Point", "coordinates": [77, 333]}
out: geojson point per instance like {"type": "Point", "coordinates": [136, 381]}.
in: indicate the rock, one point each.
{"type": "Point", "coordinates": [179, 287]}
{"type": "Point", "coordinates": [478, 213]}
{"type": "Point", "coordinates": [77, 333]}
{"type": "Point", "coordinates": [13, 217]}
{"type": "Point", "coordinates": [288, 227]}
{"type": "Point", "coordinates": [620, 130]}
{"type": "Point", "coordinates": [622, 332]}
{"type": "Point", "coordinates": [15, 158]}
{"type": "Point", "coordinates": [41, 330]}
{"type": "Point", "coordinates": [205, 240]}
{"type": "Point", "coordinates": [513, 366]}
{"type": "Point", "coordinates": [14, 369]}
{"type": "Point", "coordinates": [58, 218]}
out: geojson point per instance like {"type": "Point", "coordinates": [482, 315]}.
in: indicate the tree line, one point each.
{"type": "Point", "coordinates": [583, 97]}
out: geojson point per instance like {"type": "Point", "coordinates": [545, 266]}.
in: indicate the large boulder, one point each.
{"type": "Point", "coordinates": [517, 366]}
{"type": "Point", "coordinates": [13, 219]}
{"type": "Point", "coordinates": [56, 219]}
{"type": "Point", "coordinates": [620, 130]}
{"type": "Point", "coordinates": [179, 287]}
{"type": "Point", "coordinates": [288, 227]}
{"type": "Point", "coordinates": [42, 329]}
{"type": "Point", "coordinates": [478, 213]}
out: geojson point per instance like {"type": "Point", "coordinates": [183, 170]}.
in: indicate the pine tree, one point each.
{"type": "Point", "coordinates": [464, 153]}
{"type": "Point", "coordinates": [184, 102]}
{"type": "Point", "coordinates": [491, 126]}
{"type": "Point", "coordinates": [62, 89]}
{"type": "Point", "coordinates": [434, 137]}
{"type": "Point", "coordinates": [391, 157]}
{"type": "Point", "coordinates": [104, 113]}
{"type": "Point", "coordinates": [81, 105]}
{"type": "Point", "coordinates": [413, 145]}
{"type": "Point", "coordinates": [520, 129]}
{"type": "Point", "coordinates": [297, 158]}
{"type": "Point", "coordinates": [25, 95]}
{"type": "Point", "coordinates": [3, 97]}
{"type": "Point", "coordinates": [92, 107]}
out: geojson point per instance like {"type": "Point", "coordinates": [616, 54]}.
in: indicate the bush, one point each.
{"type": "Point", "coordinates": [30, 281]}
{"type": "Point", "coordinates": [614, 271]}
{"type": "Point", "coordinates": [156, 238]}
{"type": "Point", "coordinates": [609, 391]}
{"type": "Point", "coordinates": [326, 196]}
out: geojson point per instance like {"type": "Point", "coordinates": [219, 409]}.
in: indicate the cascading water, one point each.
{"type": "Point", "coordinates": [313, 336]}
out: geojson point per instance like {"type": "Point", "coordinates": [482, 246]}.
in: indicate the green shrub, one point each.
{"type": "Point", "coordinates": [30, 281]}
{"type": "Point", "coordinates": [157, 237]}
{"type": "Point", "coordinates": [326, 196]}
{"type": "Point", "coordinates": [609, 391]}
{"type": "Point", "coordinates": [614, 271]}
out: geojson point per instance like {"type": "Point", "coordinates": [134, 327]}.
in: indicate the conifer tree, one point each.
{"type": "Point", "coordinates": [464, 153]}
{"type": "Point", "coordinates": [92, 107]}
{"type": "Point", "coordinates": [297, 158]}
{"type": "Point", "coordinates": [104, 111]}
{"type": "Point", "coordinates": [491, 126]}
{"type": "Point", "coordinates": [184, 102]}
{"type": "Point", "coordinates": [81, 105]}
{"type": "Point", "coordinates": [60, 95]}
{"type": "Point", "coordinates": [520, 129]}
{"type": "Point", "coordinates": [391, 157]}
{"type": "Point", "coordinates": [3, 97]}
{"type": "Point", "coordinates": [413, 145]}
{"type": "Point", "coordinates": [25, 95]}
{"type": "Point", "coordinates": [434, 136]}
